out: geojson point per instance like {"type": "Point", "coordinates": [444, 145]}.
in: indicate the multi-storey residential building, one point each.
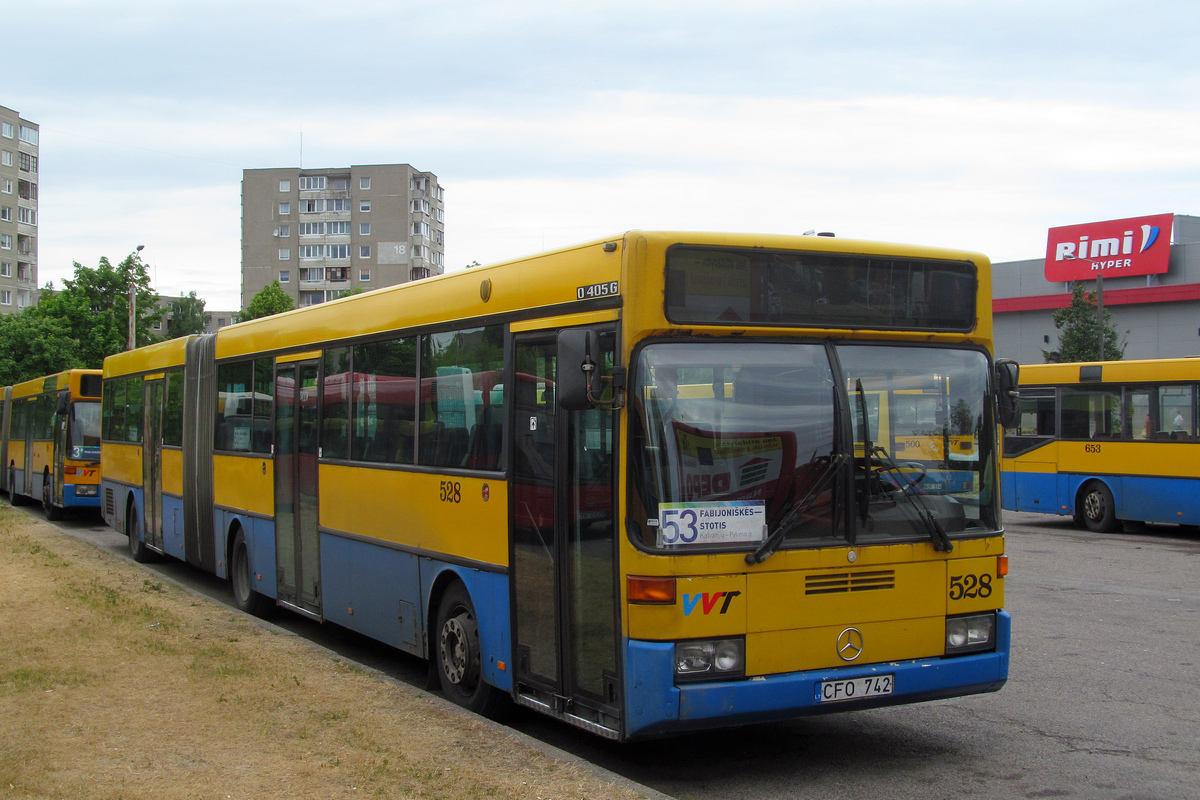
{"type": "Point", "coordinates": [323, 232]}
{"type": "Point", "coordinates": [18, 211]}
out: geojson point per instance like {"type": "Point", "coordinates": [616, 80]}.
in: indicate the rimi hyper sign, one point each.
{"type": "Point", "coordinates": [1135, 246]}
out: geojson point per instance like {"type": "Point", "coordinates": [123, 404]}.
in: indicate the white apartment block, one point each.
{"type": "Point", "coordinates": [323, 232]}
{"type": "Point", "coordinates": [18, 211]}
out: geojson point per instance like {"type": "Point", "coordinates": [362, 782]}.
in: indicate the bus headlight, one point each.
{"type": "Point", "coordinates": [710, 660]}
{"type": "Point", "coordinates": [970, 634]}
{"type": "Point", "coordinates": [86, 489]}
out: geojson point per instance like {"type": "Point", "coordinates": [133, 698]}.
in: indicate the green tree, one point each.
{"type": "Point", "coordinates": [187, 315]}
{"type": "Point", "coordinates": [1079, 331]}
{"type": "Point", "coordinates": [94, 306]}
{"type": "Point", "coordinates": [271, 300]}
{"type": "Point", "coordinates": [32, 345]}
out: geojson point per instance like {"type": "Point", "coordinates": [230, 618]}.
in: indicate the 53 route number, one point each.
{"type": "Point", "coordinates": [451, 492]}
{"type": "Point", "coordinates": [970, 586]}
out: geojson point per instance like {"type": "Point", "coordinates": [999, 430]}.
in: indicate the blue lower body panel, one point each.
{"type": "Point", "coordinates": [655, 705]}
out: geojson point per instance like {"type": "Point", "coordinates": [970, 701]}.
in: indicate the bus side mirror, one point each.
{"type": "Point", "coordinates": [64, 404]}
{"type": "Point", "coordinates": [578, 373]}
{"type": "Point", "coordinates": [1007, 396]}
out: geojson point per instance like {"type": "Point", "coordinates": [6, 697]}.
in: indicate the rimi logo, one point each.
{"type": "Point", "coordinates": [707, 601]}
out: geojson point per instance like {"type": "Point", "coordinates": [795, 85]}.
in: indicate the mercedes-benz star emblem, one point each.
{"type": "Point", "coordinates": [850, 644]}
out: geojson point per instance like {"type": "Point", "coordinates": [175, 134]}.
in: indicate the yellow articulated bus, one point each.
{"type": "Point", "coordinates": [637, 484]}
{"type": "Point", "coordinates": [50, 441]}
{"type": "Point", "coordinates": [1107, 441]}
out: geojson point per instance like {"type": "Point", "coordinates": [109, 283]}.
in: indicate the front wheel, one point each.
{"type": "Point", "coordinates": [458, 656]}
{"type": "Point", "coordinates": [244, 595]}
{"type": "Point", "coordinates": [1099, 510]}
{"type": "Point", "coordinates": [137, 547]}
{"type": "Point", "coordinates": [53, 512]}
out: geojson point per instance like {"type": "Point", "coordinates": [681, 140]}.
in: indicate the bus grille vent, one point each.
{"type": "Point", "coordinates": [108, 501]}
{"type": "Point", "coordinates": [836, 582]}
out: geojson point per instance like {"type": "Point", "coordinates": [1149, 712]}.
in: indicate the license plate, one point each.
{"type": "Point", "coordinates": [855, 688]}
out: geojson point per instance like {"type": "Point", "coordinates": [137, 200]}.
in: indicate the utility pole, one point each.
{"type": "Point", "coordinates": [133, 302]}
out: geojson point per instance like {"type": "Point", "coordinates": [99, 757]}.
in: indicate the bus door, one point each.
{"type": "Point", "coordinates": [563, 563]}
{"type": "Point", "coordinates": [58, 455]}
{"type": "Point", "coordinates": [33, 422]}
{"type": "Point", "coordinates": [152, 429]}
{"type": "Point", "coordinates": [296, 538]}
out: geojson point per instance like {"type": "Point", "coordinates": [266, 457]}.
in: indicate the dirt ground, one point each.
{"type": "Point", "coordinates": [116, 685]}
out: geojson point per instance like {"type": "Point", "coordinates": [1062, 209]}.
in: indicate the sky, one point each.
{"type": "Point", "coordinates": [955, 123]}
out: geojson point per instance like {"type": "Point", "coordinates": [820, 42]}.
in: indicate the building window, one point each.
{"type": "Point", "coordinates": [420, 206]}
{"type": "Point", "coordinates": [6, 129]}
{"type": "Point", "coordinates": [311, 298]}
{"type": "Point", "coordinates": [364, 275]}
{"type": "Point", "coordinates": [364, 183]}
{"type": "Point", "coordinates": [27, 216]}
{"type": "Point", "coordinates": [28, 162]}
{"type": "Point", "coordinates": [285, 253]}
{"type": "Point", "coordinates": [364, 251]}
{"type": "Point", "coordinates": [337, 274]}
{"type": "Point", "coordinates": [285, 231]}
{"type": "Point", "coordinates": [339, 229]}
{"type": "Point", "coordinates": [337, 251]}
{"type": "Point", "coordinates": [285, 186]}
{"type": "Point", "coordinates": [5, 269]}
{"type": "Point", "coordinates": [6, 186]}
{"type": "Point", "coordinates": [285, 209]}
{"type": "Point", "coordinates": [5, 297]}
{"type": "Point", "coordinates": [311, 252]}
{"type": "Point", "coordinates": [439, 215]}
{"type": "Point", "coordinates": [312, 228]}
{"type": "Point", "coordinates": [420, 229]}
{"type": "Point", "coordinates": [5, 241]}
{"type": "Point", "coordinates": [156, 326]}
{"type": "Point", "coordinates": [6, 158]}
{"type": "Point", "coordinates": [29, 135]}
{"type": "Point", "coordinates": [341, 204]}
{"type": "Point", "coordinates": [285, 275]}
{"type": "Point", "coordinates": [364, 206]}
{"type": "Point", "coordinates": [312, 183]}
{"type": "Point", "coordinates": [418, 184]}
{"type": "Point", "coordinates": [420, 251]}
{"type": "Point", "coordinates": [364, 229]}
{"type": "Point", "coordinates": [340, 184]}
{"type": "Point", "coordinates": [24, 271]}
{"type": "Point", "coordinates": [5, 214]}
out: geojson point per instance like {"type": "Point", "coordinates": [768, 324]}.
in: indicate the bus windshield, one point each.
{"type": "Point", "coordinates": [741, 442]}
{"type": "Point", "coordinates": [84, 430]}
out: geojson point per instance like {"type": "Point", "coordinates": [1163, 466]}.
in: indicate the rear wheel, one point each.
{"type": "Point", "coordinates": [1099, 510]}
{"type": "Point", "coordinates": [137, 548]}
{"type": "Point", "coordinates": [240, 580]}
{"type": "Point", "coordinates": [457, 655]}
{"type": "Point", "coordinates": [53, 512]}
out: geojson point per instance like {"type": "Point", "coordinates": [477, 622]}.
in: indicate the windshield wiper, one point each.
{"type": "Point", "coordinates": [790, 519]}
{"type": "Point", "coordinates": [911, 489]}
{"type": "Point", "coordinates": [865, 494]}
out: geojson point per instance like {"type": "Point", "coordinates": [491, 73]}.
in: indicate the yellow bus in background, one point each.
{"type": "Point", "coordinates": [50, 441]}
{"type": "Point", "coordinates": [637, 484]}
{"type": "Point", "coordinates": [1106, 442]}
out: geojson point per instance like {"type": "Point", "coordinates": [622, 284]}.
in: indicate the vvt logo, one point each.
{"type": "Point", "coordinates": [707, 601]}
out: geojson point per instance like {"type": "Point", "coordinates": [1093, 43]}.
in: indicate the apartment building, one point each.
{"type": "Point", "coordinates": [18, 211]}
{"type": "Point", "coordinates": [323, 232]}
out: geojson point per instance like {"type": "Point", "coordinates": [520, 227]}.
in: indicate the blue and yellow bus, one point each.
{"type": "Point", "coordinates": [1106, 442]}
{"type": "Point", "coordinates": [647, 484]}
{"type": "Point", "coordinates": [50, 441]}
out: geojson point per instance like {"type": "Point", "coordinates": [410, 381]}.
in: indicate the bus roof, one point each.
{"type": "Point", "coordinates": [67, 379]}
{"type": "Point", "coordinates": [152, 357]}
{"type": "Point", "coordinates": [1134, 371]}
{"type": "Point", "coordinates": [544, 284]}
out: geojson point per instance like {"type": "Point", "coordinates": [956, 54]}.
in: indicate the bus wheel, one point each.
{"type": "Point", "coordinates": [53, 512]}
{"type": "Point", "coordinates": [1099, 512]}
{"type": "Point", "coordinates": [14, 497]}
{"type": "Point", "coordinates": [244, 595]}
{"type": "Point", "coordinates": [458, 655]}
{"type": "Point", "coordinates": [137, 548]}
